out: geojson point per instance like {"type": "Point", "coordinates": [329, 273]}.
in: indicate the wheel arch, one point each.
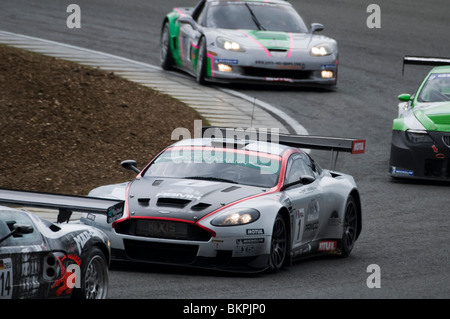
{"type": "Point", "coordinates": [284, 212]}
{"type": "Point", "coordinates": [356, 196]}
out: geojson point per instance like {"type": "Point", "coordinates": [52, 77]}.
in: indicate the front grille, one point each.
{"type": "Point", "coordinates": [160, 252]}
{"type": "Point", "coordinates": [446, 140]}
{"type": "Point", "coordinates": [166, 229]}
{"type": "Point", "coordinates": [274, 73]}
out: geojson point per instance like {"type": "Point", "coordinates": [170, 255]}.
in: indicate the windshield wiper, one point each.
{"type": "Point", "coordinates": [258, 24]}
{"type": "Point", "coordinates": [212, 178]}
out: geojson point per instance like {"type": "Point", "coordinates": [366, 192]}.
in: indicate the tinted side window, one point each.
{"type": "Point", "coordinates": [299, 165]}
{"type": "Point", "coordinates": [7, 221]}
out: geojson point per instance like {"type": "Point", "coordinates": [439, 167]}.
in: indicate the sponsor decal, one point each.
{"type": "Point", "coordinates": [327, 66]}
{"type": "Point", "coordinates": [399, 171]}
{"type": "Point", "coordinates": [358, 147]}
{"type": "Point", "coordinates": [259, 231]}
{"type": "Point", "coordinates": [327, 245]}
{"type": "Point", "coordinates": [312, 226]}
{"type": "Point", "coordinates": [71, 275]}
{"type": "Point", "coordinates": [6, 278]}
{"type": "Point", "coordinates": [226, 61]}
{"type": "Point", "coordinates": [249, 241]}
{"type": "Point", "coordinates": [279, 79]}
{"type": "Point", "coordinates": [82, 239]}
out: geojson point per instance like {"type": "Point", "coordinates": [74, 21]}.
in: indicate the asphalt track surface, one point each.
{"type": "Point", "coordinates": [405, 224]}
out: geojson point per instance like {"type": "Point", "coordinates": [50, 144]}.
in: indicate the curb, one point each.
{"type": "Point", "coordinates": [221, 107]}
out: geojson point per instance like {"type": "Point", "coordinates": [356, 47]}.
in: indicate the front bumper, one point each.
{"type": "Point", "coordinates": [425, 160]}
{"type": "Point", "coordinates": [251, 75]}
{"type": "Point", "coordinates": [282, 71]}
{"type": "Point", "coordinates": [228, 250]}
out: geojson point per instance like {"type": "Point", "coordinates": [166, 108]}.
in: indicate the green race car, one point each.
{"type": "Point", "coordinates": [421, 134]}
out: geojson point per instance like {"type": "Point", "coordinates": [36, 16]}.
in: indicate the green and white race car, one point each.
{"type": "Point", "coordinates": [421, 134]}
{"type": "Point", "coordinates": [250, 41]}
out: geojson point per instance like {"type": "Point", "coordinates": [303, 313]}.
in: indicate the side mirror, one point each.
{"type": "Point", "coordinates": [316, 27]}
{"type": "Point", "coordinates": [405, 97]}
{"type": "Point", "coordinates": [130, 165]}
{"type": "Point", "coordinates": [18, 230]}
{"type": "Point", "coordinates": [307, 179]}
{"type": "Point", "coordinates": [187, 19]}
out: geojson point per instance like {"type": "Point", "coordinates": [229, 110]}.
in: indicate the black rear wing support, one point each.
{"type": "Point", "coordinates": [422, 60]}
{"type": "Point", "coordinates": [66, 204]}
{"type": "Point", "coordinates": [333, 144]}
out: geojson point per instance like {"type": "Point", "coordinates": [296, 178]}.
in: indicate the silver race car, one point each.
{"type": "Point", "coordinates": [250, 41]}
{"type": "Point", "coordinates": [236, 200]}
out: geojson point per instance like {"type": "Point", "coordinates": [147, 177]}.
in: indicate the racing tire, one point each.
{"type": "Point", "coordinates": [278, 246]}
{"type": "Point", "coordinates": [350, 227]}
{"type": "Point", "coordinates": [94, 276]}
{"type": "Point", "coordinates": [201, 62]}
{"type": "Point", "coordinates": [165, 51]}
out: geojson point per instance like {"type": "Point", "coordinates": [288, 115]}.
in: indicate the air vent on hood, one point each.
{"type": "Point", "coordinates": [144, 201]}
{"type": "Point", "coordinates": [200, 206]}
{"type": "Point", "coordinates": [230, 189]}
{"type": "Point", "coordinates": [172, 202]}
{"type": "Point", "coordinates": [157, 182]}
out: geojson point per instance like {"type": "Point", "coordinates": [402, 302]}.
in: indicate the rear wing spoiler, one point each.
{"type": "Point", "coordinates": [66, 204]}
{"type": "Point", "coordinates": [418, 60]}
{"type": "Point", "coordinates": [333, 144]}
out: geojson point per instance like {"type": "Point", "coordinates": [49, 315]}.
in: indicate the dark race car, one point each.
{"type": "Point", "coordinates": [40, 259]}
{"type": "Point", "coordinates": [420, 146]}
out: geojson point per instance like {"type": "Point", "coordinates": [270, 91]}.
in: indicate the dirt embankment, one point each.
{"type": "Point", "coordinates": [65, 128]}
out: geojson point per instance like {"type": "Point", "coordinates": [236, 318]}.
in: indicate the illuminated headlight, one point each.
{"type": "Point", "coordinates": [235, 217]}
{"type": "Point", "coordinates": [326, 74]}
{"type": "Point", "coordinates": [224, 67]}
{"type": "Point", "coordinates": [229, 45]}
{"type": "Point", "coordinates": [418, 136]}
{"type": "Point", "coordinates": [321, 50]}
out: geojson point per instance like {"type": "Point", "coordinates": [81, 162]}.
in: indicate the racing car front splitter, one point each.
{"type": "Point", "coordinates": [420, 156]}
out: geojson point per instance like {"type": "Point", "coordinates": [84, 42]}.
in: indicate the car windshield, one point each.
{"type": "Point", "coordinates": [254, 16]}
{"type": "Point", "coordinates": [217, 164]}
{"type": "Point", "coordinates": [436, 89]}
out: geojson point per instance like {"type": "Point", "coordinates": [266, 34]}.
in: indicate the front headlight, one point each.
{"type": "Point", "coordinates": [418, 136]}
{"type": "Point", "coordinates": [229, 45]}
{"type": "Point", "coordinates": [321, 50]}
{"type": "Point", "coordinates": [235, 217]}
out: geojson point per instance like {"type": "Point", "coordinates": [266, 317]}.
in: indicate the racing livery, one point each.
{"type": "Point", "coordinates": [235, 201]}
{"type": "Point", "coordinates": [420, 146]}
{"type": "Point", "coordinates": [40, 259]}
{"type": "Point", "coordinates": [251, 41]}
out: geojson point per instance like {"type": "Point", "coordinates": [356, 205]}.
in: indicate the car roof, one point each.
{"type": "Point", "coordinates": [441, 69]}
{"type": "Point", "coordinates": [267, 1]}
{"type": "Point", "coordinates": [255, 146]}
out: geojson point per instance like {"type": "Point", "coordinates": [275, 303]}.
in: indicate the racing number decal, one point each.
{"type": "Point", "coordinates": [6, 278]}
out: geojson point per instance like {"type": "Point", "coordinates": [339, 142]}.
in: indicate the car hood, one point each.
{"type": "Point", "coordinates": [186, 199]}
{"type": "Point", "coordinates": [272, 40]}
{"type": "Point", "coordinates": [434, 116]}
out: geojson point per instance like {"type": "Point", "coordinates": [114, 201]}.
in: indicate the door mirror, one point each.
{"type": "Point", "coordinates": [130, 165]}
{"type": "Point", "coordinates": [315, 27]}
{"type": "Point", "coordinates": [405, 97]}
